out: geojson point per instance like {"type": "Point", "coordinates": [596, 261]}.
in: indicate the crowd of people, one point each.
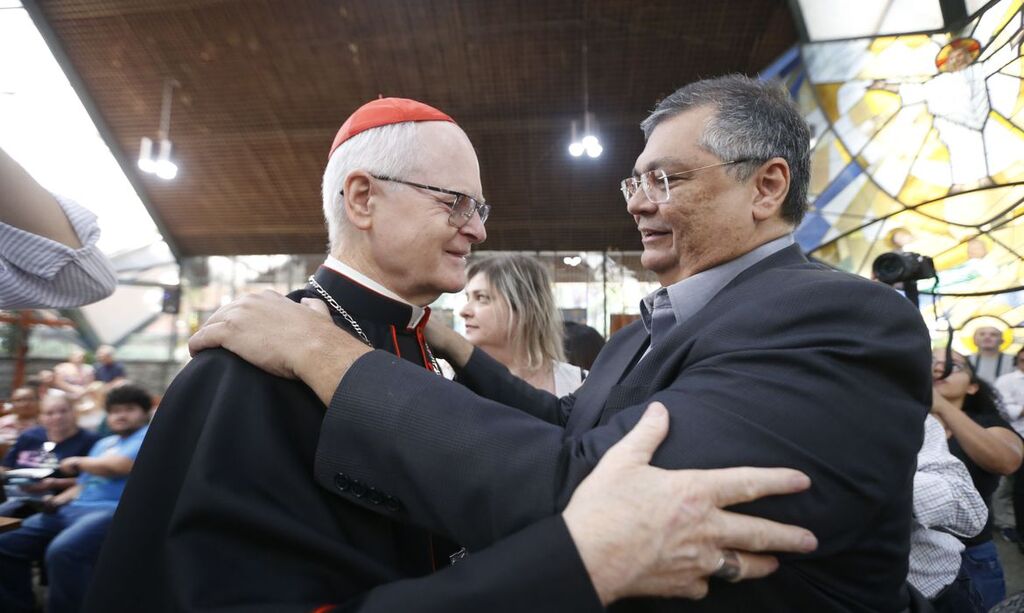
{"type": "Point", "coordinates": [70, 440]}
{"type": "Point", "coordinates": [84, 386]}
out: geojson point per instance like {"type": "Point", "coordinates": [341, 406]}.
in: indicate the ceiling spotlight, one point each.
{"type": "Point", "coordinates": [575, 147]}
{"type": "Point", "coordinates": [162, 166]}
{"type": "Point", "coordinates": [589, 144]}
{"type": "Point", "coordinates": [165, 168]}
{"type": "Point", "coordinates": [146, 161]}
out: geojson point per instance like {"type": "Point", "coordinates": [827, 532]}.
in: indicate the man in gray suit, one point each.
{"type": "Point", "coordinates": [761, 357]}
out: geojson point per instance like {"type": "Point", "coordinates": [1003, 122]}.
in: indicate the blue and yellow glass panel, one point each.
{"type": "Point", "coordinates": [918, 145]}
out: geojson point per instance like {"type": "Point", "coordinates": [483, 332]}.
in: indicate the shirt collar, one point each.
{"type": "Point", "coordinates": [692, 293]}
{"type": "Point", "coordinates": [344, 269]}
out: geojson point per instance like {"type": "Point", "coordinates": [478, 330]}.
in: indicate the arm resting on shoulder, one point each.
{"type": "Point", "coordinates": [512, 468]}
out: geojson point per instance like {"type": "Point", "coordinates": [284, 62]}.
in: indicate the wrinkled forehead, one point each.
{"type": "Point", "coordinates": [447, 159]}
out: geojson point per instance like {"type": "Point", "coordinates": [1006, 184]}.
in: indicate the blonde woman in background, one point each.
{"type": "Point", "coordinates": [511, 314]}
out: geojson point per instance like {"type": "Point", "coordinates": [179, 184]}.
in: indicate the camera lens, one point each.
{"type": "Point", "coordinates": [890, 268]}
{"type": "Point", "coordinates": [897, 267]}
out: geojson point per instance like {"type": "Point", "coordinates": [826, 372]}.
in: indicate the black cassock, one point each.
{"type": "Point", "coordinates": [221, 512]}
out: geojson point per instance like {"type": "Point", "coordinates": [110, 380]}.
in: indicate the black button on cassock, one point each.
{"type": "Point", "coordinates": [358, 488]}
{"type": "Point", "coordinates": [375, 497]}
{"type": "Point", "coordinates": [342, 482]}
{"type": "Point", "coordinates": [392, 504]}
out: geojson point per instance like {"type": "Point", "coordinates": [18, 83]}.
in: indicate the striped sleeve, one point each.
{"type": "Point", "coordinates": [37, 272]}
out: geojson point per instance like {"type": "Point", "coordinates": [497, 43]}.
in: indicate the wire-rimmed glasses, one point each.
{"type": "Point", "coordinates": [655, 183]}
{"type": "Point", "coordinates": [462, 207]}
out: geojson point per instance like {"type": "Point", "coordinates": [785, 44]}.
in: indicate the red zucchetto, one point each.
{"type": "Point", "coordinates": [382, 112]}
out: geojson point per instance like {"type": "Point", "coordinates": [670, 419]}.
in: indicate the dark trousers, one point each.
{"type": "Point", "coordinates": [959, 596]}
{"type": "Point", "coordinates": [1018, 497]}
{"type": "Point", "coordinates": [69, 540]}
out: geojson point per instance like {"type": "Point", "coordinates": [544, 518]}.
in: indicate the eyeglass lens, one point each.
{"type": "Point", "coordinates": [463, 209]}
{"type": "Point", "coordinates": [653, 182]}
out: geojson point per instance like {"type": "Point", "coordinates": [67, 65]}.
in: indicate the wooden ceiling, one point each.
{"type": "Point", "coordinates": [265, 85]}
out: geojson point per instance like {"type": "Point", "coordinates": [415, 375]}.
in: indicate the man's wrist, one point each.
{"type": "Point", "coordinates": [322, 366]}
{"type": "Point", "coordinates": [606, 581]}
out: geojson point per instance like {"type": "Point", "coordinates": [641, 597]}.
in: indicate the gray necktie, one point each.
{"type": "Point", "coordinates": [662, 317]}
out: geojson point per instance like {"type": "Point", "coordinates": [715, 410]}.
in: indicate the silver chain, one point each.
{"type": "Point", "coordinates": [337, 307]}
{"type": "Point", "coordinates": [355, 326]}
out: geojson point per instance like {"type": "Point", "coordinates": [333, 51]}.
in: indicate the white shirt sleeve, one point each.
{"type": "Point", "coordinates": [1011, 390]}
{"type": "Point", "coordinates": [36, 272]}
{"type": "Point", "coordinates": [944, 495]}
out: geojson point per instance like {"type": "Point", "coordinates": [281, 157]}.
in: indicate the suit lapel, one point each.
{"type": "Point", "coordinates": [608, 370]}
{"type": "Point", "coordinates": [647, 377]}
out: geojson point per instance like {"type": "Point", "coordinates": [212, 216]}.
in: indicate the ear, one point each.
{"type": "Point", "coordinates": [357, 189]}
{"type": "Point", "coordinates": [771, 184]}
{"type": "Point", "coordinates": [972, 389]}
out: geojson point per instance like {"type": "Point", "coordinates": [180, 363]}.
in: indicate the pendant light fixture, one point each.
{"type": "Point", "coordinates": [162, 165]}
{"type": "Point", "coordinates": [589, 143]}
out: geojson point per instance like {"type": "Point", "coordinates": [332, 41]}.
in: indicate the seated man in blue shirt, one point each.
{"type": "Point", "coordinates": [71, 529]}
{"type": "Point", "coordinates": [57, 426]}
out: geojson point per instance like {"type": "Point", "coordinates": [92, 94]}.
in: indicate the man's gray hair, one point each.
{"type": "Point", "coordinates": [389, 150]}
{"type": "Point", "coordinates": [755, 120]}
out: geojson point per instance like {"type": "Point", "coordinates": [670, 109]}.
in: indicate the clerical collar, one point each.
{"type": "Point", "coordinates": [692, 293]}
{"type": "Point", "coordinates": [363, 297]}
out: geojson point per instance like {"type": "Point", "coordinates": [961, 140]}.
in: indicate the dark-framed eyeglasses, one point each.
{"type": "Point", "coordinates": [655, 183]}
{"type": "Point", "coordinates": [462, 207]}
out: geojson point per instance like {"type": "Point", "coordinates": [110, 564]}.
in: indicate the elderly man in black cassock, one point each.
{"type": "Point", "coordinates": [222, 512]}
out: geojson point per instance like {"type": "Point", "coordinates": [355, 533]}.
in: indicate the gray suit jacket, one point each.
{"type": "Point", "coordinates": [792, 364]}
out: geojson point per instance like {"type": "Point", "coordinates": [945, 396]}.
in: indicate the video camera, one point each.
{"type": "Point", "coordinates": [898, 267]}
{"type": "Point", "coordinates": [906, 268]}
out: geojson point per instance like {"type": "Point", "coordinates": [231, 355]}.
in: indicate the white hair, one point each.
{"type": "Point", "coordinates": [389, 150]}
{"type": "Point", "coordinates": [53, 396]}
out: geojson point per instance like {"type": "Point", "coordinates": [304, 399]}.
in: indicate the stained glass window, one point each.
{"type": "Point", "coordinates": [918, 145]}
